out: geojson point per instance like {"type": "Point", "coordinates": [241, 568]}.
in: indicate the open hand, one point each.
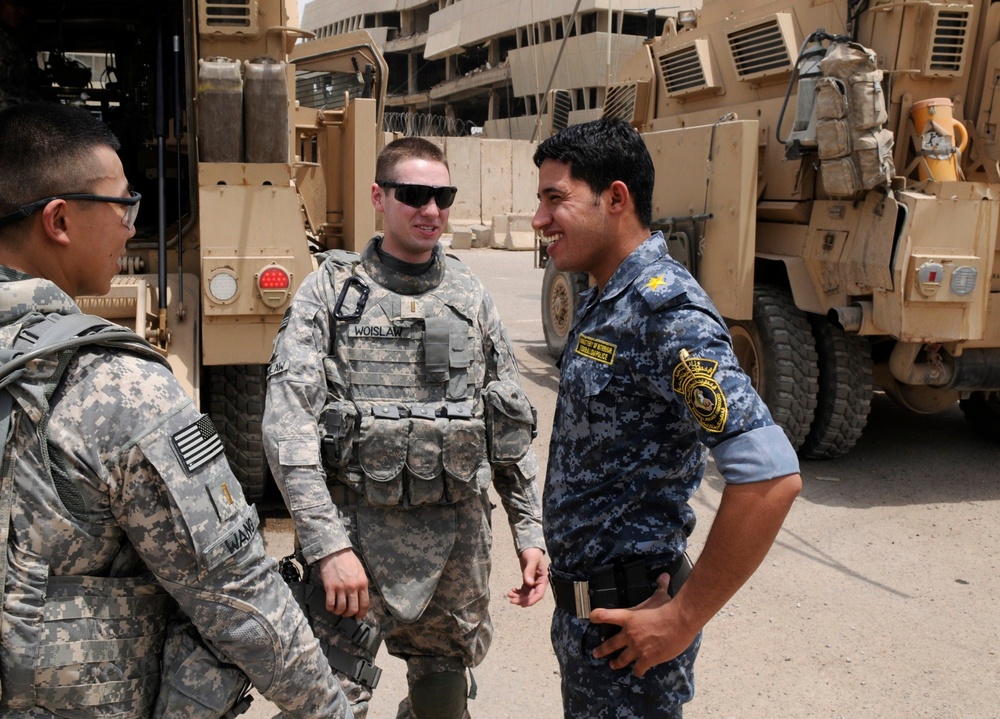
{"type": "Point", "coordinates": [535, 576]}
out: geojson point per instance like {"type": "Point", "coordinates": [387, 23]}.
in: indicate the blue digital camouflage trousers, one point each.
{"type": "Point", "coordinates": [592, 690]}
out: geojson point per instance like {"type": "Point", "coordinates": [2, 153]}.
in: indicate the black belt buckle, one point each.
{"type": "Point", "coordinates": [369, 674]}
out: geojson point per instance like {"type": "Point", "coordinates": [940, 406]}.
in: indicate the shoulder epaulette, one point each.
{"type": "Point", "coordinates": [660, 288]}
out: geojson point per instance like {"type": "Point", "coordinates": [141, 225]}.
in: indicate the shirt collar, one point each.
{"type": "Point", "coordinates": [651, 250]}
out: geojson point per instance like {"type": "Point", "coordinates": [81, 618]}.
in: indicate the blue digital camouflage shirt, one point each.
{"type": "Point", "coordinates": [648, 381]}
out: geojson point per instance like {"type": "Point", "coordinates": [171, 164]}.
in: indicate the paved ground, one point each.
{"type": "Point", "coordinates": [878, 600]}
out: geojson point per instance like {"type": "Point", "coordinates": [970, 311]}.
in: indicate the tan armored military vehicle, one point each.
{"type": "Point", "coordinates": [828, 169]}
{"type": "Point", "coordinates": [251, 153]}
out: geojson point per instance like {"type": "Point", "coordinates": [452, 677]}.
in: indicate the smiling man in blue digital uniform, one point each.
{"type": "Point", "coordinates": [648, 383]}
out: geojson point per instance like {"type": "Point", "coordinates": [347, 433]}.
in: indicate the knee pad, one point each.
{"type": "Point", "coordinates": [441, 695]}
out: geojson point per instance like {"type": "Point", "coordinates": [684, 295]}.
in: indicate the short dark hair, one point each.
{"type": "Point", "coordinates": [47, 149]}
{"type": "Point", "coordinates": [406, 148]}
{"type": "Point", "coordinates": [602, 151]}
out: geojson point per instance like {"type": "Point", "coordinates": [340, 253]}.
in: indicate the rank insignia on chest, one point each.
{"type": "Point", "coordinates": [693, 379]}
{"type": "Point", "coordinates": [596, 349]}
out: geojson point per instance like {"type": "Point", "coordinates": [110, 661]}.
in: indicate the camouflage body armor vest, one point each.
{"type": "Point", "coordinates": [409, 421]}
{"type": "Point", "coordinates": [76, 644]}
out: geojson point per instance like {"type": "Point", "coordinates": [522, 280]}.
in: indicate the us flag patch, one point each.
{"type": "Point", "coordinates": [198, 444]}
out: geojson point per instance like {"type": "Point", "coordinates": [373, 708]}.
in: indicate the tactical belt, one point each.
{"type": "Point", "coordinates": [618, 585]}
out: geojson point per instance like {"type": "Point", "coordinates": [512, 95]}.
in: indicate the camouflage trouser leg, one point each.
{"type": "Point", "coordinates": [454, 632]}
{"type": "Point", "coordinates": [592, 690]}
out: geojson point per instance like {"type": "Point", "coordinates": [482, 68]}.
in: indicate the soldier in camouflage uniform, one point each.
{"type": "Point", "coordinates": [119, 509]}
{"type": "Point", "coordinates": [648, 382]}
{"type": "Point", "coordinates": [393, 399]}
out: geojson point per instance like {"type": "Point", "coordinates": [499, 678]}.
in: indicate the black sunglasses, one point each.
{"type": "Point", "coordinates": [419, 195]}
{"type": "Point", "coordinates": [128, 219]}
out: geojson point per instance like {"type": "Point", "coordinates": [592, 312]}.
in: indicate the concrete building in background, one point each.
{"type": "Point", "coordinates": [483, 66]}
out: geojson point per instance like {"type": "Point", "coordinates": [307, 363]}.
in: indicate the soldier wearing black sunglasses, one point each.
{"type": "Point", "coordinates": [393, 401]}
{"type": "Point", "coordinates": [420, 195]}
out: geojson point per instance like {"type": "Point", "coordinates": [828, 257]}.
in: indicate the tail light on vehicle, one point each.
{"type": "Point", "coordinates": [274, 285]}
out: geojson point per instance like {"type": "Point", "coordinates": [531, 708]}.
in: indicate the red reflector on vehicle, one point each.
{"type": "Point", "coordinates": [273, 278]}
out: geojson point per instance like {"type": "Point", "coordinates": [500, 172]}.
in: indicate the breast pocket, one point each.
{"type": "Point", "coordinates": [602, 415]}
{"type": "Point", "coordinates": [614, 403]}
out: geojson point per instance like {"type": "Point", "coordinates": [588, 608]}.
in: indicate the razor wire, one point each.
{"type": "Point", "coordinates": [428, 125]}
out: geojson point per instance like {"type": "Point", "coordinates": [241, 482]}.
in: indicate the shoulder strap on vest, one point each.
{"type": "Point", "coordinates": [455, 263]}
{"type": "Point", "coordinates": [60, 332]}
{"type": "Point", "coordinates": [339, 257]}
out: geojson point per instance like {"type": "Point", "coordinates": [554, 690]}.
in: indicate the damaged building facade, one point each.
{"type": "Point", "coordinates": [485, 67]}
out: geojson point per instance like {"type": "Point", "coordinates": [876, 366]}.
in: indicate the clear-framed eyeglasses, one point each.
{"type": "Point", "coordinates": [130, 203]}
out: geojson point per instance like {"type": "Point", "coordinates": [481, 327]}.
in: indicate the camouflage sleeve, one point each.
{"type": "Point", "coordinates": [518, 490]}
{"type": "Point", "coordinates": [172, 492]}
{"type": "Point", "coordinates": [696, 367]}
{"type": "Point", "coordinates": [515, 484]}
{"type": "Point", "coordinates": [296, 395]}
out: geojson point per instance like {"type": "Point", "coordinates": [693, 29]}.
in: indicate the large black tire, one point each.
{"type": "Point", "coordinates": [777, 350]}
{"type": "Point", "coordinates": [845, 392]}
{"type": "Point", "coordinates": [982, 411]}
{"type": "Point", "coordinates": [560, 300]}
{"type": "Point", "coordinates": [236, 406]}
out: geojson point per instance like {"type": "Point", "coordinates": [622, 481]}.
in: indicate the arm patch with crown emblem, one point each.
{"type": "Point", "coordinates": [693, 379]}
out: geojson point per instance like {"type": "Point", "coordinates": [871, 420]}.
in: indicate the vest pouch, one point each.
{"type": "Point", "coordinates": [464, 451]}
{"type": "Point", "coordinates": [510, 422]}
{"type": "Point", "coordinates": [873, 154]}
{"type": "Point", "coordinates": [831, 102]}
{"type": "Point", "coordinates": [196, 685]}
{"type": "Point", "coordinates": [424, 462]}
{"type": "Point", "coordinates": [382, 455]}
{"type": "Point", "coordinates": [833, 139]}
{"type": "Point", "coordinates": [840, 178]}
{"type": "Point", "coordinates": [867, 101]}
{"type": "Point", "coordinates": [101, 645]}
{"type": "Point", "coordinates": [340, 424]}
